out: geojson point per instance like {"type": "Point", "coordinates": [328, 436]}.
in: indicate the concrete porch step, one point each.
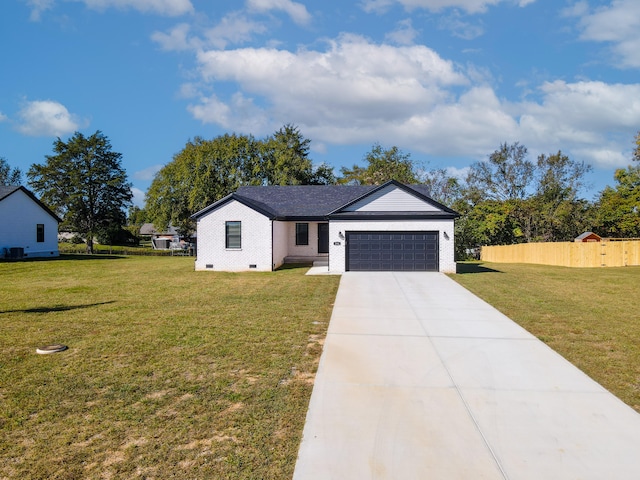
{"type": "Point", "coordinates": [324, 260]}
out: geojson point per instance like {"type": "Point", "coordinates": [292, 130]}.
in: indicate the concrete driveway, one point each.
{"type": "Point", "coordinates": [420, 379]}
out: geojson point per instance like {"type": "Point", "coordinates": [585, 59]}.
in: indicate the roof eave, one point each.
{"type": "Point", "coordinates": [248, 203]}
{"type": "Point", "coordinates": [35, 199]}
{"type": "Point", "coordinates": [393, 216]}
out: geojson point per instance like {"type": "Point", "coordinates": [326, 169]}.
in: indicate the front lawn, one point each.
{"type": "Point", "coordinates": [170, 373]}
{"type": "Point", "coordinates": [591, 316]}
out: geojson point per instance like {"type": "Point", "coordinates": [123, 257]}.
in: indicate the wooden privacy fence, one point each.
{"type": "Point", "coordinates": [606, 253]}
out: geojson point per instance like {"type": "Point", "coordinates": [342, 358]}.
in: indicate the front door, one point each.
{"type": "Point", "coordinates": [323, 238]}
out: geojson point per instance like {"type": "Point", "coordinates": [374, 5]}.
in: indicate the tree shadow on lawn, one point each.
{"type": "Point", "coordinates": [463, 268]}
{"type": "Point", "coordinates": [57, 308]}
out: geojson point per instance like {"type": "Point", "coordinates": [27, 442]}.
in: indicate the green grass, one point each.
{"type": "Point", "coordinates": [170, 373]}
{"type": "Point", "coordinates": [590, 316]}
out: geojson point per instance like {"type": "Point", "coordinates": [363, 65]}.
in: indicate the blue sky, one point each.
{"type": "Point", "coordinates": [447, 81]}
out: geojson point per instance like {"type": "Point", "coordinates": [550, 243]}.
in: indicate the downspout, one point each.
{"type": "Point", "coordinates": [272, 257]}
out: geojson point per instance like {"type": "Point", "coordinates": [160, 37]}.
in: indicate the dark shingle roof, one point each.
{"type": "Point", "coordinates": [303, 200]}
{"type": "Point", "coordinates": [310, 201]}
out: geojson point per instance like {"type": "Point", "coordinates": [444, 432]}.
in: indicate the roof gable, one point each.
{"type": "Point", "coordinates": [6, 191]}
{"type": "Point", "coordinates": [255, 205]}
{"type": "Point", "coordinates": [390, 199]}
{"type": "Point", "coordinates": [395, 197]}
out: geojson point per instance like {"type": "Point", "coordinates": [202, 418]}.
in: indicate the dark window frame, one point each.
{"type": "Point", "coordinates": [40, 233]}
{"type": "Point", "coordinates": [302, 234]}
{"type": "Point", "coordinates": [233, 239]}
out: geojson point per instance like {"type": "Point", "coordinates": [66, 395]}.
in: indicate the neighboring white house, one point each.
{"type": "Point", "coordinates": [391, 227]}
{"type": "Point", "coordinates": [27, 227]}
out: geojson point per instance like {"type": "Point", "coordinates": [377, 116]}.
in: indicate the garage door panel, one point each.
{"type": "Point", "coordinates": [392, 251]}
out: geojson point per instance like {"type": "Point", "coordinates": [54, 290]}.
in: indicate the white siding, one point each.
{"type": "Point", "coordinates": [391, 199]}
{"type": "Point", "coordinates": [310, 250]}
{"type": "Point", "coordinates": [256, 240]}
{"type": "Point", "coordinates": [337, 229]}
{"type": "Point", "coordinates": [19, 217]}
{"type": "Point", "coordinates": [280, 240]}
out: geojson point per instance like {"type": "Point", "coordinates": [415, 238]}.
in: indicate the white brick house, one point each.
{"type": "Point", "coordinates": [27, 227]}
{"type": "Point", "coordinates": [371, 228]}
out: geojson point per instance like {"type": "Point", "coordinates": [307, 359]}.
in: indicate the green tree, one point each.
{"type": "Point", "coordinates": [323, 175]}
{"type": "Point", "coordinates": [9, 176]}
{"type": "Point", "coordinates": [136, 216]}
{"type": "Point", "coordinates": [506, 175]}
{"type": "Point", "coordinates": [84, 183]}
{"type": "Point", "coordinates": [284, 160]}
{"type": "Point", "coordinates": [493, 199]}
{"type": "Point", "coordinates": [205, 171]}
{"type": "Point", "coordinates": [542, 199]}
{"type": "Point", "coordinates": [490, 222]}
{"type": "Point", "coordinates": [618, 208]}
{"type": "Point", "coordinates": [443, 187]}
{"type": "Point", "coordinates": [560, 214]}
{"type": "Point", "coordinates": [382, 165]}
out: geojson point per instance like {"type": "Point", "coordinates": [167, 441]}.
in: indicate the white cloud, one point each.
{"type": "Point", "coordinates": [297, 11]}
{"type": "Point", "coordinates": [239, 114]}
{"type": "Point", "coordinates": [351, 73]}
{"type": "Point", "coordinates": [38, 7]}
{"type": "Point", "coordinates": [46, 118]}
{"type": "Point", "coordinates": [148, 173]}
{"type": "Point", "coordinates": [578, 9]}
{"type": "Point", "coordinates": [234, 28]}
{"type": "Point", "coordinates": [177, 39]}
{"type": "Point", "coordinates": [469, 6]}
{"type": "Point", "coordinates": [404, 34]}
{"type": "Point", "coordinates": [138, 197]}
{"type": "Point", "coordinates": [607, 156]}
{"type": "Point", "coordinates": [170, 8]}
{"type": "Point", "coordinates": [617, 24]}
{"type": "Point", "coordinates": [460, 173]}
{"type": "Point", "coordinates": [460, 28]}
{"type": "Point", "coordinates": [590, 118]}
{"type": "Point", "coordinates": [3, 117]}
{"type": "Point", "coordinates": [356, 91]}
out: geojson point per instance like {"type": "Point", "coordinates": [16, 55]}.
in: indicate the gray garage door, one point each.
{"type": "Point", "coordinates": [392, 251]}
